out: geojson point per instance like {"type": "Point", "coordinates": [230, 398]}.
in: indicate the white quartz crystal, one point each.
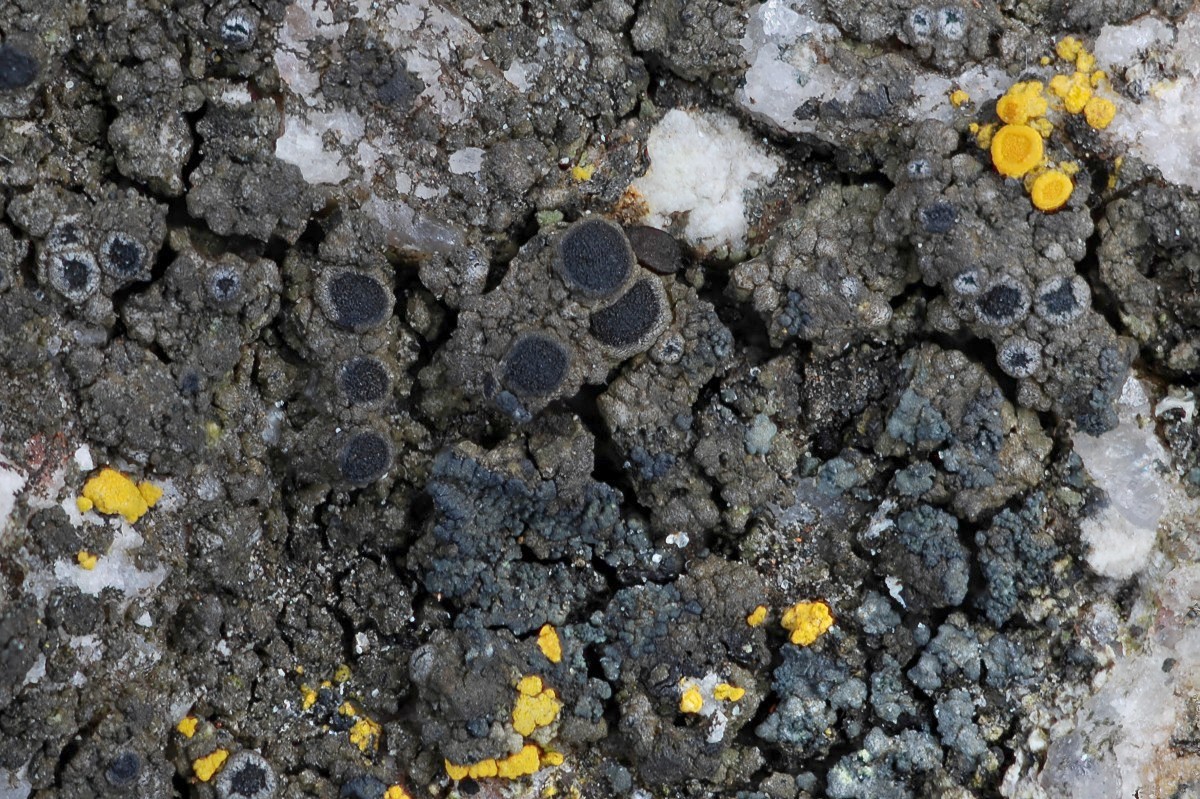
{"type": "Point", "coordinates": [1159, 120]}
{"type": "Point", "coordinates": [1127, 463]}
{"type": "Point", "coordinates": [701, 166]}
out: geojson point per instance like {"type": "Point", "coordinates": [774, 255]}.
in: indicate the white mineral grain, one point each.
{"type": "Point", "coordinates": [1131, 465]}
{"type": "Point", "coordinates": [1159, 120]}
{"type": "Point", "coordinates": [701, 167]}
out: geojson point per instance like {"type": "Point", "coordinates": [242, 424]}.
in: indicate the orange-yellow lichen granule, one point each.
{"type": "Point", "coordinates": [536, 707]}
{"type": "Point", "coordinates": [1051, 190]}
{"type": "Point", "coordinates": [112, 492]}
{"type": "Point", "coordinates": [1022, 102]}
{"type": "Point", "coordinates": [205, 767]}
{"type": "Point", "coordinates": [1074, 90]}
{"type": "Point", "coordinates": [549, 643]}
{"type": "Point", "coordinates": [728, 693]}
{"type": "Point", "coordinates": [691, 700]}
{"type": "Point", "coordinates": [1016, 149]}
{"type": "Point", "coordinates": [1099, 112]}
{"type": "Point", "coordinates": [1069, 48]}
{"type": "Point", "coordinates": [807, 621]}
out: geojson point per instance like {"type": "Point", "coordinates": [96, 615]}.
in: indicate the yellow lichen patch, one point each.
{"type": "Point", "coordinates": [534, 710]}
{"type": "Point", "coordinates": [346, 709]}
{"type": "Point", "coordinates": [365, 734]}
{"type": "Point", "coordinates": [483, 769]}
{"type": "Point", "coordinates": [959, 98]}
{"type": "Point", "coordinates": [1098, 78]}
{"type": "Point", "coordinates": [309, 697]}
{"type": "Point", "coordinates": [983, 133]}
{"type": "Point", "coordinates": [1022, 102]}
{"type": "Point", "coordinates": [341, 674]}
{"type": "Point", "coordinates": [1074, 90]}
{"type": "Point", "coordinates": [1043, 126]}
{"type": "Point", "coordinates": [519, 765]}
{"type": "Point", "coordinates": [187, 726]}
{"type": "Point", "coordinates": [1016, 149]}
{"type": "Point", "coordinates": [112, 492]}
{"type": "Point", "coordinates": [83, 503]}
{"type": "Point", "coordinates": [552, 758]}
{"type": "Point", "coordinates": [1069, 48]}
{"type": "Point", "coordinates": [548, 642]}
{"type": "Point", "coordinates": [582, 172]}
{"type": "Point", "coordinates": [396, 792]}
{"type": "Point", "coordinates": [1099, 112]}
{"type": "Point", "coordinates": [205, 767]}
{"type": "Point", "coordinates": [530, 685]}
{"type": "Point", "coordinates": [807, 621]}
{"type": "Point", "coordinates": [757, 616]}
{"type": "Point", "coordinates": [728, 693]}
{"type": "Point", "coordinates": [86, 559]}
{"type": "Point", "coordinates": [1050, 190]}
{"type": "Point", "coordinates": [1073, 50]}
{"type": "Point", "coordinates": [150, 493]}
{"type": "Point", "coordinates": [691, 701]}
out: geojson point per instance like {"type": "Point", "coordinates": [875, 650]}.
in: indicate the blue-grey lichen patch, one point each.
{"type": "Point", "coordinates": [987, 450]}
{"type": "Point", "coordinates": [883, 763]}
{"type": "Point", "coordinates": [816, 690]}
{"type": "Point", "coordinates": [922, 552]}
{"type": "Point", "coordinates": [665, 639]}
{"type": "Point", "coordinates": [471, 552]}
